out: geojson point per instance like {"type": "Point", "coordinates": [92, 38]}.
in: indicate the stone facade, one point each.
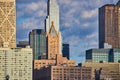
{"type": "Point", "coordinates": [7, 23]}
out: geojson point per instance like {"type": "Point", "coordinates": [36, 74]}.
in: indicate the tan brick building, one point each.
{"type": "Point", "coordinates": [7, 23]}
{"type": "Point", "coordinates": [65, 73]}
{"type": "Point", "coordinates": [53, 42]}
{"type": "Point", "coordinates": [108, 70]}
{"type": "Point", "coordinates": [53, 55]}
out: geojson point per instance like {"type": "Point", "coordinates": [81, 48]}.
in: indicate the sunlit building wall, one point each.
{"type": "Point", "coordinates": [16, 64]}
{"type": "Point", "coordinates": [109, 71]}
{"type": "Point", "coordinates": [65, 73]}
{"type": "Point", "coordinates": [7, 23]}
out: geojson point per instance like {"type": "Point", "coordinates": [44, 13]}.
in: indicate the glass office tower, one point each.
{"type": "Point", "coordinates": [37, 40]}
{"type": "Point", "coordinates": [66, 50]}
{"type": "Point", "coordinates": [103, 55]}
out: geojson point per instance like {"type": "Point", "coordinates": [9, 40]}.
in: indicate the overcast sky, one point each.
{"type": "Point", "coordinates": [78, 22]}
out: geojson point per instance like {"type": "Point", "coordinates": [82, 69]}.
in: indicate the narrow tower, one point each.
{"type": "Point", "coordinates": [53, 15]}
{"type": "Point", "coordinates": [7, 23]}
{"type": "Point", "coordinates": [53, 19]}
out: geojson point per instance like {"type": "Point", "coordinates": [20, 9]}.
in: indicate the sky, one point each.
{"type": "Point", "coordinates": [78, 22]}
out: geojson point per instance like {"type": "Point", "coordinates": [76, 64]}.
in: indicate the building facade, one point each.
{"type": "Point", "coordinates": [66, 50]}
{"type": "Point", "coordinates": [16, 63]}
{"type": "Point", "coordinates": [59, 61]}
{"type": "Point", "coordinates": [109, 30]}
{"type": "Point", "coordinates": [52, 42]}
{"type": "Point", "coordinates": [53, 53]}
{"type": "Point", "coordinates": [65, 73]}
{"type": "Point", "coordinates": [53, 16]}
{"type": "Point", "coordinates": [103, 55]}
{"type": "Point", "coordinates": [7, 23]}
{"type": "Point", "coordinates": [37, 41]}
{"type": "Point", "coordinates": [104, 71]}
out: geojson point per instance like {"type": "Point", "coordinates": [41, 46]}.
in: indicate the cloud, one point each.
{"type": "Point", "coordinates": [89, 14]}
{"type": "Point", "coordinates": [86, 25]}
{"type": "Point", "coordinates": [92, 36]}
{"type": "Point", "coordinates": [73, 40]}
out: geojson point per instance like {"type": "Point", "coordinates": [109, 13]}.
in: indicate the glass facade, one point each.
{"type": "Point", "coordinates": [103, 55]}
{"type": "Point", "coordinates": [65, 50]}
{"type": "Point", "coordinates": [37, 40]}
{"type": "Point", "coordinates": [116, 55]}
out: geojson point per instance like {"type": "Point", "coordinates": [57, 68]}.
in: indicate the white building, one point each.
{"type": "Point", "coordinates": [16, 63]}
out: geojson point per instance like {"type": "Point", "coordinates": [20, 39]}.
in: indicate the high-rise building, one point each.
{"type": "Point", "coordinates": [66, 50]}
{"type": "Point", "coordinates": [7, 23]}
{"type": "Point", "coordinates": [53, 17]}
{"type": "Point", "coordinates": [53, 39]}
{"type": "Point", "coordinates": [109, 25]}
{"type": "Point", "coordinates": [16, 63]}
{"type": "Point", "coordinates": [37, 41]}
{"type": "Point", "coordinates": [53, 43]}
{"type": "Point", "coordinates": [103, 55]}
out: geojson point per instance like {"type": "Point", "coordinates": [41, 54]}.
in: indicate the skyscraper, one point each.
{"type": "Point", "coordinates": [53, 43]}
{"type": "Point", "coordinates": [7, 23]}
{"type": "Point", "coordinates": [53, 39]}
{"type": "Point", "coordinates": [37, 40]}
{"type": "Point", "coordinates": [109, 25]}
{"type": "Point", "coordinates": [53, 16]}
{"type": "Point", "coordinates": [65, 50]}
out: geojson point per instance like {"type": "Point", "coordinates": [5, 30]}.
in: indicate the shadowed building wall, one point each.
{"type": "Point", "coordinates": [66, 50]}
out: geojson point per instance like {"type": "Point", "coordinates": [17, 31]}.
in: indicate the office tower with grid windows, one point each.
{"type": "Point", "coordinates": [37, 41]}
{"type": "Point", "coordinates": [7, 23]}
{"type": "Point", "coordinates": [16, 63]}
{"type": "Point", "coordinates": [109, 26]}
{"type": "Point", "coordinates": [53, 16]}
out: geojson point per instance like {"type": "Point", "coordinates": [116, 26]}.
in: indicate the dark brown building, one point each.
{"type": "Point", "coordinates": [109, 33]}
